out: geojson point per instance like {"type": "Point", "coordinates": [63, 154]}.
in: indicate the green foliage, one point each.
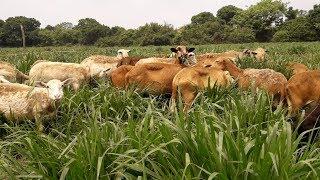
{"type": "Point", "coordinates": [261, 17]}
{"type": "Point", "coordinates": [154, 34]}
{"type": "Point", "coordinates": [314, 17]}
{"type": "Point", "coordinates": [91, 30]}
{"type": "Point", "coordinates": [202, 18]}
{"type": "Point", "coordinates": [227, 13]}
{"type": "Point", "coordinates": [298, 29]}
{"type": "Point", "coordinates": [12, 32]}
{"type": "Point", "coordinates": [241, 35]}
{"type": "Point", "coordinates": [207, 33]}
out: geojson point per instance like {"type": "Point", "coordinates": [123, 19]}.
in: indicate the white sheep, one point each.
{"type": "Point", "coordinates": [11, 73]}
{"type": "Point", "coordinates": [19, 101]}
{"type": "Point", "coordinates": [46, 71]}
{"type": "Point", "coordinates": [123, 53]}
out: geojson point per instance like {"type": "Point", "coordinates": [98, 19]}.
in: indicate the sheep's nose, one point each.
{"type": "Point", "coordinates": [58, 96]}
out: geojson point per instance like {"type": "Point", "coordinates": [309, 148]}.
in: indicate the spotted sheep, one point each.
{"type": "Point", "coordinates": [19, 101]}
{"type": "Point", "coordinates": [267, 79]}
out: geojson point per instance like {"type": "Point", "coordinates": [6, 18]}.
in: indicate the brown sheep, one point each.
{"type": "Point", "coordinates": [156, 78]}
{"type": "Point", "coordinates": [302, 89]}
{"type": "Point", "coordinates": [118, 76]}
{"type": "Point", "coordinates": [233, 55]}
{"type": "Point", "coordinates": [267, 79]}
{"type": "Point", "coordinates": [11, 73]}
{"type": "Point", "coordinates": [128, 61]}
{"type": "Point", "coordinates": [259, 54]}
{"type": "Point", "coordinates": [190, 79]}
{"type": "Point", "coordinates": [297, 68]}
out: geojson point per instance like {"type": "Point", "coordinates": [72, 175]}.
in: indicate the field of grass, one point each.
{"type": "Point", "coordinates": [105, 133]}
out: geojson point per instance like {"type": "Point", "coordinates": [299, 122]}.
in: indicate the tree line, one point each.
{"type": "Point", "coordinates": [266, 21]}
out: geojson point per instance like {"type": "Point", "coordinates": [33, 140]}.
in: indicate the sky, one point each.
{"type": "Point", "coordinates": [125, 13]}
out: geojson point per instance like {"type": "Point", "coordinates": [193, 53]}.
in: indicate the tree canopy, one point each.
{"type": "Point", "coordinates": [265, 21]}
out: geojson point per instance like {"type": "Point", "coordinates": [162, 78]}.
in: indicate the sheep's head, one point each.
{"type": "Point", "coordinates": [55, 88]}
{"type": "Point", "coordinates": [123, 53]}
{"type": "Point", "coordinates": [184, 54]}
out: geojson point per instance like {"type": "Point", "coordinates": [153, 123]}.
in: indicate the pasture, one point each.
{"type": "Point", "coordinates": [105, 133]}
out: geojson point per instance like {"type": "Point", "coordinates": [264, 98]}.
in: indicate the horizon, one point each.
{"type": "Point", "coordinates": [132, 14]}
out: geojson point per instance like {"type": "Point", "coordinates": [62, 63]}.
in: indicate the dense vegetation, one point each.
{"type": "Point", "coordinates": [105, 133]}
{"type": "Point", "coordinates": [268, 20]}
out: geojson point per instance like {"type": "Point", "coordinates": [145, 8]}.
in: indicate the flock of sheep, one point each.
{"type": "Point", "coordinates": [182, 72]}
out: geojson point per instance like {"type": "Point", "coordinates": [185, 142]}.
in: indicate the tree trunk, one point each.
{"type": "Point", "coordinates": [23, 36]}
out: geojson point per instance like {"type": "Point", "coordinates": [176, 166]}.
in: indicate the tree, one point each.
{"type": "Point", "coordinates": [12, 32]}
{"type": "Point", "coordinates": [46, 37]}
{"type": "Point", "coordinates": [207, 33]}
{"type": "Point", "coordinates": [314, 18]}
{"type": "Point", "coordinates": [1, 32]}
{"type": "Point", "coordinates": [299, 29]}
{"type": "Point", "coordinates": [262, 18]}
{"type": "Point", "coordinates": [64, 25]}
{"type": "Point", "coordinates": [241, 35]}
{"type": "Point", "coordinates": [202, 18]}
{"type": "Point", "coordinates": [155, 34]}
{"type": "Point", "coordinates": [227, 13]}
{"type": "Point", "coordinates": [291, 13]}
{"type": "Point", "coordinates": [91, 30]}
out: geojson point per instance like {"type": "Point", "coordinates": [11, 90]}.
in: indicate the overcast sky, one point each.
{"type": "Point", "coordinates": [125, 13]}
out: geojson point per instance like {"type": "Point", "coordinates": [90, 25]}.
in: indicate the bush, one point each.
{"type": "Point", "coordinates": [241, 35]}
{"type": "Point", "coordinates": [281, 36]}
{"type": "Point", "coordinates": [296, 30]}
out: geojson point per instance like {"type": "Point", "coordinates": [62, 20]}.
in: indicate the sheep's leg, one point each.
{"type": "Point", "coordinates": [188, 98]}
{"type": "Point", "coordinates": [38, 120]}
{"type": "Point", "coordinates": [173, 98]}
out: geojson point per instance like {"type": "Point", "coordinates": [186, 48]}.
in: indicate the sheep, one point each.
{"type": "Point", "coordinates": [19, 101]}
{"type": "Point", "coordinates": [233, 55]}
{"type": "Point", "coordinates": [118, 76]}
{"type": "Point", "coordinates": [267, 79]}
{"type": "Point", "coordinates": [156, 78]}
{"type": "Point", "coordinates": [128, 61]}
{"type": "Point", "coordinates": [301, 89]}
{"type": "Point", "coordinates": [190, 79]}
{"type": "Point", "coordinates": [11, 73]}
{"type": "Point", "coordinates": [123, 53]}
{"type": "Point", "coordinates": [180, 54]}
{"type": "Point", "coordinates": [259, 54]}
{"type": "Point", "coordinates": [297, 68]}
{"type": "Point", "coordinates": [97, 62]}
{"type": "Point", "coordinates": [46, 71]}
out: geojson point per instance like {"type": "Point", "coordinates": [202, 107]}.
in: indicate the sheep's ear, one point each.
{"type": "Point", "coordinates": [104, 72]}
{"type": "Point", "coordinates": [67, 81]}
{"type": "Point", "coordinates": [41, 84]}
{"type": "Point", "coordinates": [246, 51]}
{"type": "Point", "coordinates": [174, 50]}
{"type": "Point", "coordinates": [191, 49]}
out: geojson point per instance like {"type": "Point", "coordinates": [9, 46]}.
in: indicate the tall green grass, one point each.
{"type": "Point", "coordinates": [105, 133]}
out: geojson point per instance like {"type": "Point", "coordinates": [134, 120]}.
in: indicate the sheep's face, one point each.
{"type": "Point", "coordinates": [55, 88]}
{"type": "Point", "coordinates": [123, 53]}
{"type": "Point", "coordinates": [184, 54]}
